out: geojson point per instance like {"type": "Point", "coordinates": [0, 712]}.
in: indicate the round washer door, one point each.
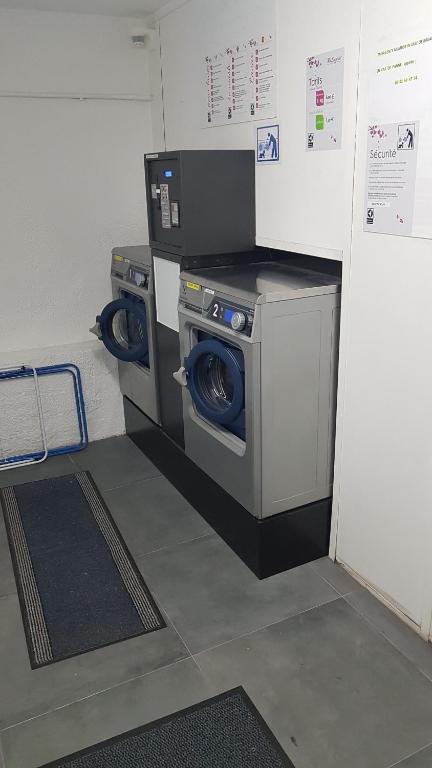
{"type": "Point", "coordinates": [215, 379]}
{"type": "Point", "coordinates": [123, 325]}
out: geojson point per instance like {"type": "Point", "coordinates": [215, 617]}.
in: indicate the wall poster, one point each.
{"type": "Point", "coordinates": [267, 144]}
{"type": "Point", "coordinates": [324, 100]}
{"type": "Point", "coordinates": [398, 196]}
{"type": "Point", "coordinates": [391, 177]}
{"type": "Point", "coordinates": [241, 81]}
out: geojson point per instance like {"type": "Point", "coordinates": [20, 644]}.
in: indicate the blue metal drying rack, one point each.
{"type": "Point", "coordinates": [36, 457]}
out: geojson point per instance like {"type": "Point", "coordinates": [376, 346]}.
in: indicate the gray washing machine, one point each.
{"type": "Point", "coordinates": [259, 346]}
{"type": "Point", "coordinates": [127, 327]}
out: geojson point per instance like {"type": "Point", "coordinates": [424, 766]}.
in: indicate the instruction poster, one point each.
{"type": "Point", "coordinates": [217, 86]}
{"type": "Point", "coordinates": [324, 100]}
{"type": "Point", "coordinates": [391, 177]}
{"type": "Point", "coordinates": [398, 198]}
{"type": "Point", "coordinates": [241, 81]}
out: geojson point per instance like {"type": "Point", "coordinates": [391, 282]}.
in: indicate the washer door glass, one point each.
{"type": "Point", "coordinates": [216, 380]}
{"type": "Point", "coordinates": [123, 325]}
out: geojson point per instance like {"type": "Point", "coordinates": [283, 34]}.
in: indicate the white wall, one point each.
{"type": "Point", "coordinates": [304, 203]}
{"type": "Point", "coordinates": [72, 187]}
{"type": "Point", "coordinates": [385, 468]}
{"type": "Point", "coordinates": [187, 35]}
{"type": "Point", "coordinates": [382, 523]}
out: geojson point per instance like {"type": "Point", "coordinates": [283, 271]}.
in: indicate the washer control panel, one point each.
{"type": "Point", "coordinates": [138, 277]}
{"type": "Point", "coordinates": [135, 274]}
{"type": "Point", "coordinates": [204, 301]}
{"type": "Point", "coordinates": [238, 321]}
{"type": "Point", "coordinates": [237, 318]}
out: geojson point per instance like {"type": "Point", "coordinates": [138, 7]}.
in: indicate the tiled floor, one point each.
{"type": "Point", "coordinates": [340, 680]}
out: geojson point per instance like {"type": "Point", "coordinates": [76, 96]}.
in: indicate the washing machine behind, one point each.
{"type": "Point", "coordinates": [259, 350]}
{"type": "Point", "coordinates": [126, 326]}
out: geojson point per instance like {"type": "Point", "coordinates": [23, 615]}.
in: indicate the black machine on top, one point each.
{"type": "Point", "coordinates": [201, 213]}
{"type": "Point", "coordinates": [201, 203]}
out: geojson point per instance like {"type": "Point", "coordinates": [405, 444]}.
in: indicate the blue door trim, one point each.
{"type": "Point", "coordinates": [230, 357]}
{"type": "Point", "coordinates": [105, 320]}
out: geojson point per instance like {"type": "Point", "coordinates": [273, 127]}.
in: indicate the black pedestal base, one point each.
{"type": "Point", "coordinates": [267, 546]}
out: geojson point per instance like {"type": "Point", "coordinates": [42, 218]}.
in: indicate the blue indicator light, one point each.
{"type": "Point", "coordinates": [168, 174]}
{"type": "Point", "coordinates": [227, 315]}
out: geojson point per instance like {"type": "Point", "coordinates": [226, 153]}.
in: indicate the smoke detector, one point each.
{"type": "Point", "coordinates": [139, 40]}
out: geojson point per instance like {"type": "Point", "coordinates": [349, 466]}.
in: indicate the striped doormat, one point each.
{"type": "Point", "coordinates": [226, 731]}
{"type": "Point", "coordinates": [78, 585]}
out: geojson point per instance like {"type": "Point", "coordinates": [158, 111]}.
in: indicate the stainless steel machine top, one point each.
{"type": "Point", "coordinates": [263, 282]}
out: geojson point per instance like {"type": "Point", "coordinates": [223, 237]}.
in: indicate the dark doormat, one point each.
{"type": "Point", "coordinates": [78, 585]}
{"type": "Point", "coordinates": [224, 732]}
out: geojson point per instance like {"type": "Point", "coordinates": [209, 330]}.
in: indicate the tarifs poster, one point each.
{"type": "Point", "coordinates": [324, 100]}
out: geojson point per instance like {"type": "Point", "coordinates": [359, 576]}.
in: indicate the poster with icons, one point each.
{"type": "Point", "coordinates": [398, 198]}
{"type": "Point", "coordinates": [238, 70]}
{"type": "Point", "coordinates": [267, 145]}
{"type": "Point", "coordinates": [241, 81]}
{"type": "Point", "coordinates": [324, 100]}
{"type": "Point", "coordinates": [217, 88]}
{"type": "Point", "coordinates": [264, 80]}
{"type": "Point", "coordinates": [391, 178]}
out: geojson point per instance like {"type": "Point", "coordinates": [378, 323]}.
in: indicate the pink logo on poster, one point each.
{"type": "Point", "coordinates": [319, 98]}
{"type": "Point", "coordinates": [377, 132]}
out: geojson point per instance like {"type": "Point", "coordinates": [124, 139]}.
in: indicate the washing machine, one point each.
{"type": "Point", "coordinates": [126, 326]}
{"type": "Point", "coordinates": [259, 346]}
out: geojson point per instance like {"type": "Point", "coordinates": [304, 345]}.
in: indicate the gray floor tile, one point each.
{"type": "Point", "coordinates": [53, 467]}
{"type": "Point", "coordinates": [335, 692]}
{"type": "Point", "coordinates": [114, 462]}
{"type": "Point", "coordinates": [26, 692]}
{"type": "Point", "coordinates": [105, 715]}
{"type": "Point", "coordinates": [7, 579]}
{"type": "Point", "coordinates": [421, 759]}
{"type": "Point", "coordinates": [211, 596]}
{"type": "Point", "coordinates": [152, 514]}
{"type": "Point", "coordinates": [336, 575]}
{"type": "Point", "coordinates": [385, 621]}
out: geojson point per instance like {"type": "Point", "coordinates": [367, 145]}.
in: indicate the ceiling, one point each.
{"type": "Point", "coordinates": [135, 8]}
